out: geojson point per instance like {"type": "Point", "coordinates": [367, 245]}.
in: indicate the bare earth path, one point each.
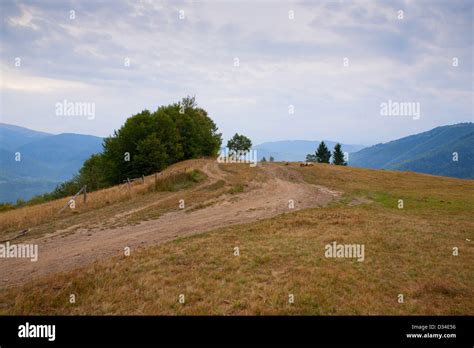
{"type": "Point", "coordinates": [60, 252]}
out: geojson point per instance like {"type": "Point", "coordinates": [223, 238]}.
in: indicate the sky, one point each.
{"type": "Point", "coordinates": [272, 70]}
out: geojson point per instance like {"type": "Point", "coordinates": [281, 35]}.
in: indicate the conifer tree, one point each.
{"type": "Point", "coordinates": [322, 153]}
{"type": "Point", "coordinates": [338, 156]}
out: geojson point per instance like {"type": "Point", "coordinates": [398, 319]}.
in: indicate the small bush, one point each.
{"type": "Point", "coordinates": [6, 206]}
{"type": "Point", "coordinates": [236, 189]}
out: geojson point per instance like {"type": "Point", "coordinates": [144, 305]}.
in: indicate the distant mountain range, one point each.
{"type": "Point", "coordinates": [430, 152]}
{"type": "Point", "coordinates": [46, 160]}
{"type": "Point", "coordinates": [296, 150]}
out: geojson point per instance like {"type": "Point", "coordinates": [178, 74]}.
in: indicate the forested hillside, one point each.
{"type": "Point", "coordinates": [447, 150]}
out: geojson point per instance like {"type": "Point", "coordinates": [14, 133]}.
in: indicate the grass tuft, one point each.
{"type": "Point", "coordinates": [179, 181]}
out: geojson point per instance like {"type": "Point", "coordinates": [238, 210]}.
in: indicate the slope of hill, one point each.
{"type": "Point", "coordinates": [429, 152]}
{"type": "Point", "coordinates": [12, 136]}
{"type": "Point", "coordinates": [191, 250]}
{"type": "Point", "coordinates": [296, 150]}
{"type": "Point", "coordinates": [46, 160]}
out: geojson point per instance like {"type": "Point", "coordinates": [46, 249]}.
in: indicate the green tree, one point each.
{"type": "Point", "coordinates": [168, 134]}
{"type": "Point", "coordinates": [310, 157]}
{"type": "Point", "coordinates": [151, 155]}
{"type": "Point", "coordinates": [146, 143]}
{"type": "Point", "coordinates": [149, 142]}
{"type": "Point", "coordinates": [271, 159]}
{"type": "Point", "coordinates": [338, 156]}
{"type": "Point", "coordinates": [120, 149]}
{"type": "Point", "coordinates": [92, 173]}
{"type": "Point", "coordinates": [196, 132]}
{"type": "Point", "coordinates": [67, 188]}
{"type": "Point", "coordinates": [322, 153]}
{"type": "Point", "coordinates": [263, 159]}
{"type": "Point", "coordinates": [239, 143]}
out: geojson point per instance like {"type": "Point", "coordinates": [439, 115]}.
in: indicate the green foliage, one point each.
{"type": "Point", "coordinates": [311, 158]}
{"type": "Point", "coordinates": [151, 155]}
{"type": "Point", "coordinates": [263, 159]}
{"type": "Point", "coordinates": [149, 142]}
{"type": "Point", "coordinates": [271, 159]}
{"type": "Point", "coordinates": [6, 206]}
{"type": "Point", "coordinates": [68, 188]}
{"type": "Point", "coordinates": [38, 199]}
{"type": "Point", "coordinates": [179, 181]}
{"type": "Point", "coordinates": [239, 143]}
{"type": "Point", "coordinates": [338, 156]}
{"type": "Point", "coordinates": [20, 202]}
{"type": "Point", "coordinates": [92, 174]}
{"type": "Point", "coordinates": [322, 153]}
{"type": "Point", "coordinates": [236, 189]}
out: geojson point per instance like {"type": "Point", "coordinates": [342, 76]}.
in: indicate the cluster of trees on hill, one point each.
{"type": "Point", "coordinates": [271, 159]}
{"type": "Point", "coordinates": [147, 143]}
{"type": "Point", "coordinates": [323, 155]}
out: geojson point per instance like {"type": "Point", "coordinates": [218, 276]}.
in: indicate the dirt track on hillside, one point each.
{"type": "Point", "coordinates": [61, 251]}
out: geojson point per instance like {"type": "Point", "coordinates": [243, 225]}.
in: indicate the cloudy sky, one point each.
{"type": "Point", "coordinates": [249, 63]}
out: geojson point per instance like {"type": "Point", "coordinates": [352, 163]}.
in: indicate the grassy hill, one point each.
{"type": "Point", "coordinates": [191, 251]}
{"type": "Point", "coordinates": [429, 152]}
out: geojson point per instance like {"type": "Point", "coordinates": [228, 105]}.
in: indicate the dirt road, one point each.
{"type": "Point", "coordinates": [65, 251]}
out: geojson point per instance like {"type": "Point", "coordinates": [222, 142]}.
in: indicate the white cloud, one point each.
{"type": "Point", "coordinates": [15, 80]}
{"type": "Point", "coordinates": [25, 19]}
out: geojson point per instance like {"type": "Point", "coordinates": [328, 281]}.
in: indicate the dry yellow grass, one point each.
{"type": "Point", "coordinates": [407, 251]}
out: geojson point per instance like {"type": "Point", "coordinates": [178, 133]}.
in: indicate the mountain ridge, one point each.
{"type": "Point", "coordinates": [50, 159]}
{"type": "Point", "coordinates": [418, 152]}
{"type": "Point", "coordinates": [45, 160]}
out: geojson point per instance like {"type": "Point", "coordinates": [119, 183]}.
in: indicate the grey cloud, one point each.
{"type": "Point", "coordinates": [282, 62]}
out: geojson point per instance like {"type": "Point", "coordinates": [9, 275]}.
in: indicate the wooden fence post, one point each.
{"type": "Point", "coordinates": [73, 198]}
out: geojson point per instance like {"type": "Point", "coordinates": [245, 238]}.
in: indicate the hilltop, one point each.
{"type": "Point", "coordinates": [296, 150]}
{"type": "Point", "coordinates": [183, 231]}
